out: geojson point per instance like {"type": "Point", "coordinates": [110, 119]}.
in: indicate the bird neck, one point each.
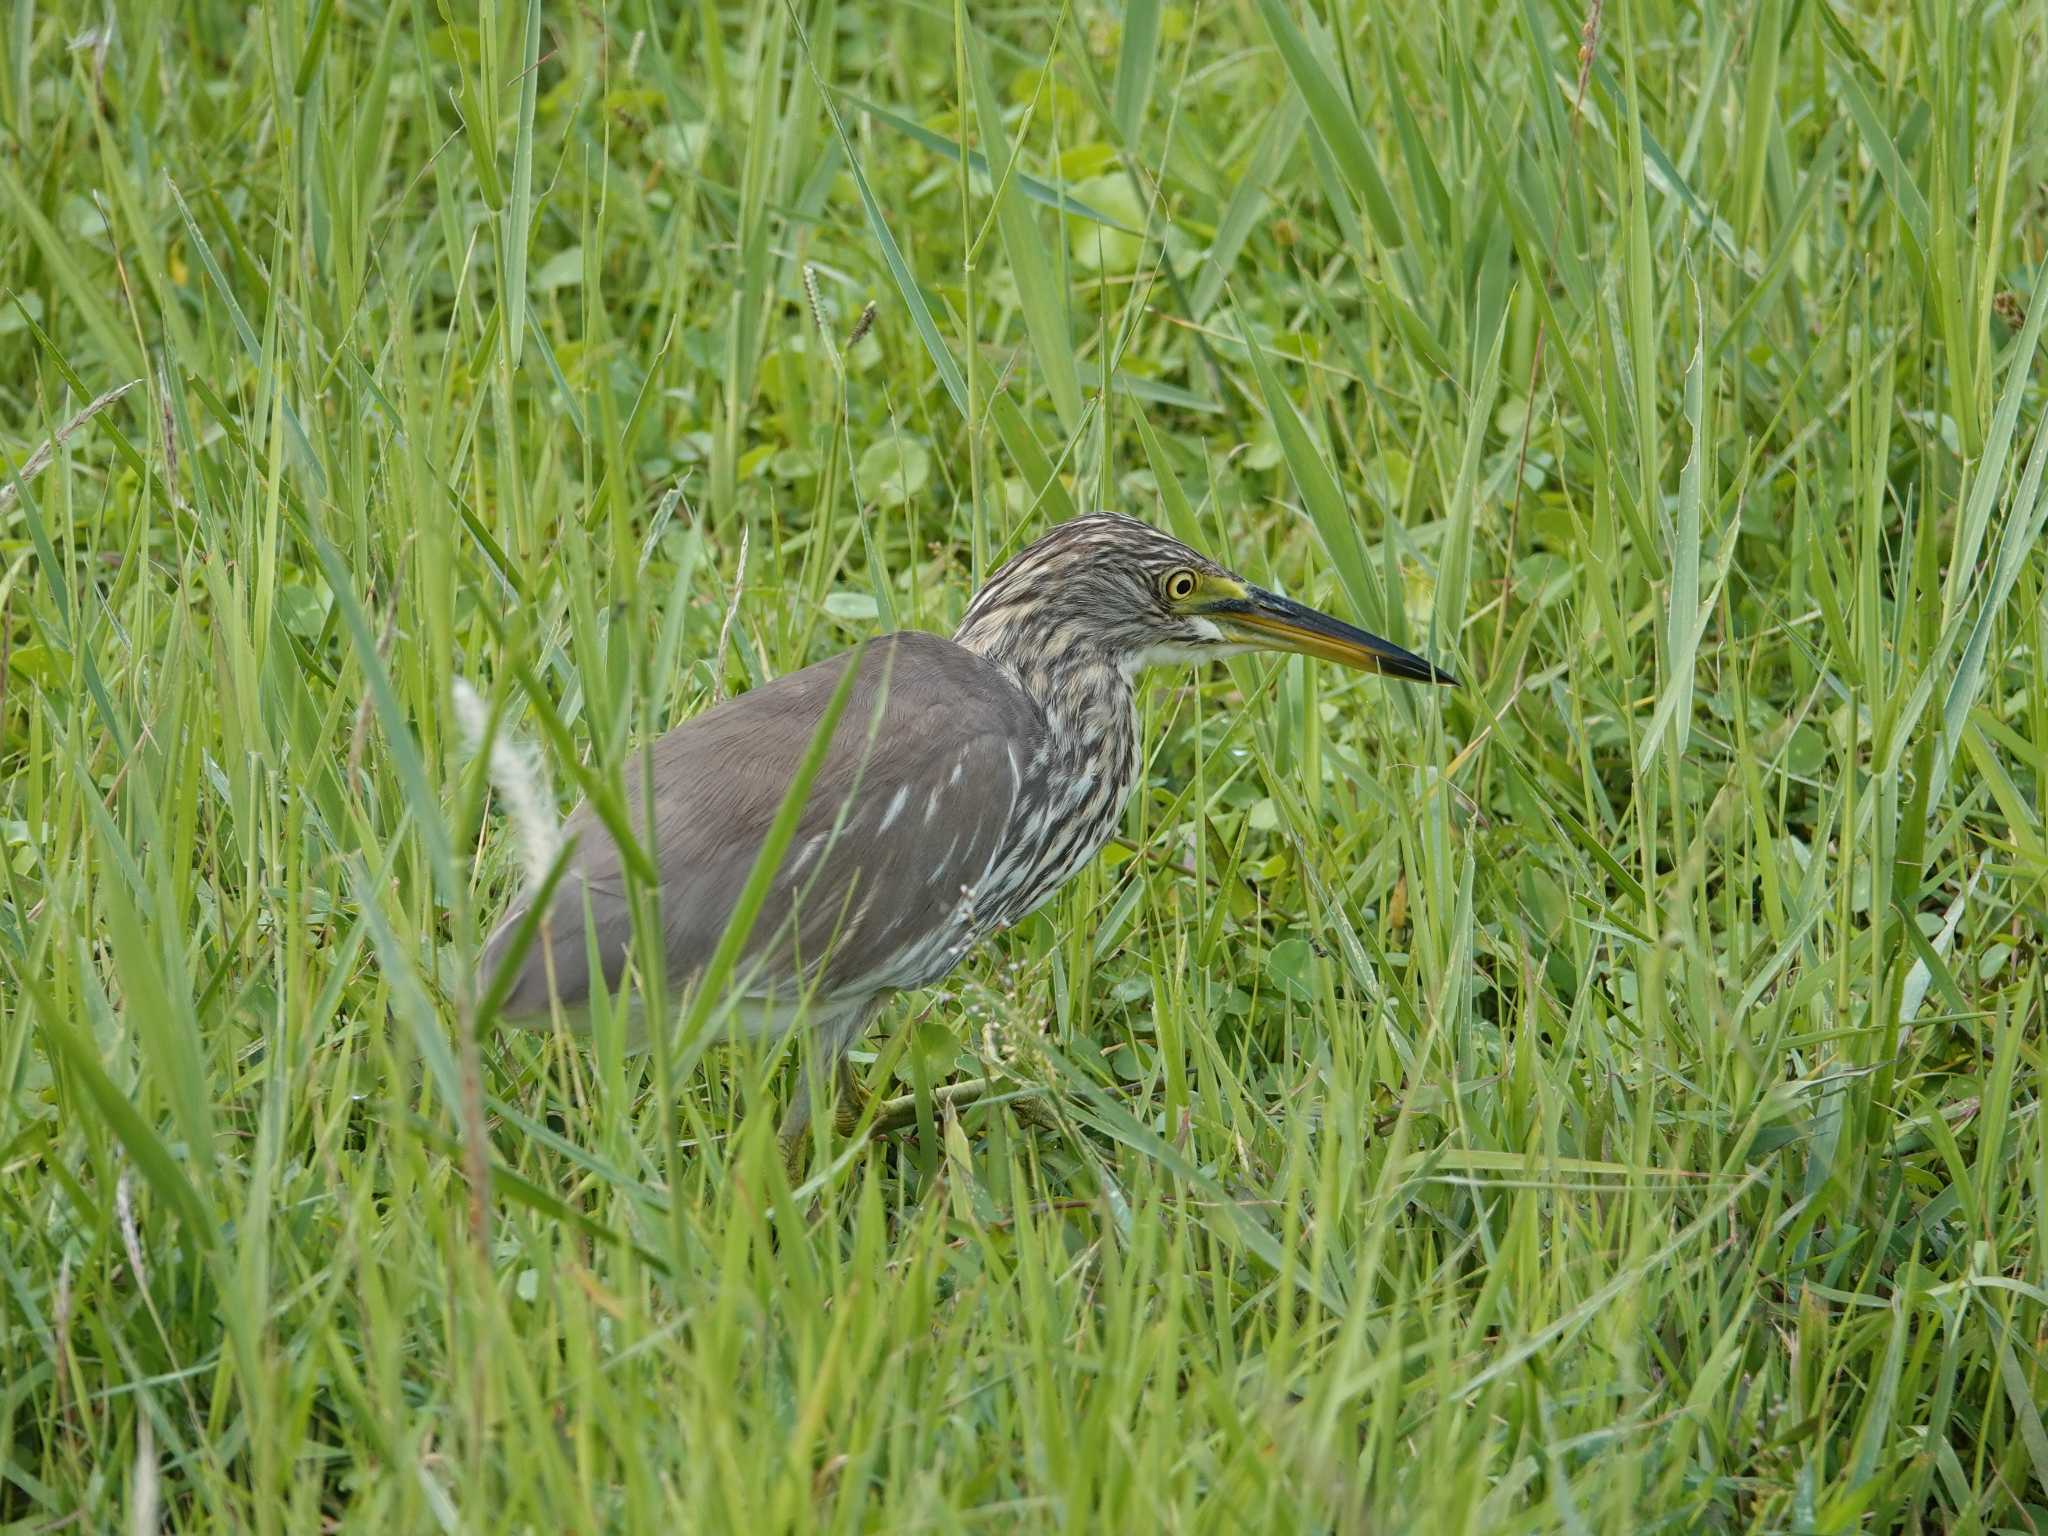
{"type": "Point", "coordinates": [1086, 694]}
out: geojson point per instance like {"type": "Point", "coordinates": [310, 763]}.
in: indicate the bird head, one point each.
{"type": "Point", "coordinates": [1133, 595]}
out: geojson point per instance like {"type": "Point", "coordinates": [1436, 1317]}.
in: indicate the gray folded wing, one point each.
{"type": "Point", "coordinates": [875, 890]}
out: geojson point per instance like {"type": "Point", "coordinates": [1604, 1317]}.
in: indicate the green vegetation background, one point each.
{"type": "Point", "coordinates": [1604, 1098]}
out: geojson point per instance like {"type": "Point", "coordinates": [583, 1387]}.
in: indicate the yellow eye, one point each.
{"type": "Point", "coordinates": [1180, 586]}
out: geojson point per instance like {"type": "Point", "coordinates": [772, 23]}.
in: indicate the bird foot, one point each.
{"type": "Point", "coordinates": [894, 1114]}
{"type": "Point", "coordinates": [854, 1107]}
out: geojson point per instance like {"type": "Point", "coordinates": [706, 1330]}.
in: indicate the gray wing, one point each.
{"type": "Point", "coordinates": [907, 813]}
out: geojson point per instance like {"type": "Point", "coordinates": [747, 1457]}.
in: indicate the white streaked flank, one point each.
{"type": "Point", "coordinates": [896, 803]}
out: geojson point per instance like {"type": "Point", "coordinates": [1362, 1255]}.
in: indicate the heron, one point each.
{"type": "Point", "coordinates": [965, 782]}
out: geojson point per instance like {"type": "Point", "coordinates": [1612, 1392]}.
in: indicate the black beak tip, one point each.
{"type": "Point", "coordinates": [1414, 669]}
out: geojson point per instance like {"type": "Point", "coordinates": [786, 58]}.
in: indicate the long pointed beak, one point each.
{"type": "Point", "coordinates": [1276, 623]}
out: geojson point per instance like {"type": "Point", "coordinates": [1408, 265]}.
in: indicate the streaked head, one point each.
{"type": "Point", "coordinates": [1136, 597]}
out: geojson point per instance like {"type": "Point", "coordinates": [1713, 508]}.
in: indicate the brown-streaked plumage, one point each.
{"type": "Point", "coordinates": [966, 781]}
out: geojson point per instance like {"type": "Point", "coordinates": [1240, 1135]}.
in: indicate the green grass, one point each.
{"type": "Point", "coordinates": [1604, 1098]}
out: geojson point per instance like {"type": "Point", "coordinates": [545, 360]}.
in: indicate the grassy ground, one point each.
{"type": "Point", "coordinates": [1602, 1099]}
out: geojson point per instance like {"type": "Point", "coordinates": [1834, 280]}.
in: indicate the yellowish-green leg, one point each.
{"type": "Point", "coordinates": [847, 1098]}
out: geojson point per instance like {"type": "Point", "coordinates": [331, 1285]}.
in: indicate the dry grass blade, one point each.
{"type": "Point", "coordinates": [41, 459]}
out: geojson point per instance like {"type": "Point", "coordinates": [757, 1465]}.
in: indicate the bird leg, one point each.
{"type": "Point", "coordinates": [848, 1100]}
{"type": "Point", "coordinates": [792, 1137]}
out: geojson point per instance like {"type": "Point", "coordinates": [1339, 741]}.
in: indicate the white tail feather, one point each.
{"type": "Point", "coordinates": [520, 780]}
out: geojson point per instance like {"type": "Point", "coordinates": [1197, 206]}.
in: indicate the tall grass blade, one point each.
{"type": "Point", "coordinates": [1035, 188]}
{"type": "Point", "coordinates": [1137, 56]}
{"type": "Point", "coordinates": [134, 1133]}
{"type": "Point", "coordinates": [1324, 501]}
{"type": "Point", "coordinates": [1249, 198]}
{"type": "Point", "coordinates": [1685, 615]}
{"type": "Point", "coordinates": [1336, 121]}
{"type": "Point", "coordinates": [515, 230]}
{"type": "Point", "coordinates": [892, 257]}
{"type": "Point", "coordinates": [422, 802]}
{"type": "Point", "coordinates": [1040, 292]}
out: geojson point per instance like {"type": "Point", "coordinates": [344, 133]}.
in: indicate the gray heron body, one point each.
{"type": "Point", "coordinates": [966, 781]}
